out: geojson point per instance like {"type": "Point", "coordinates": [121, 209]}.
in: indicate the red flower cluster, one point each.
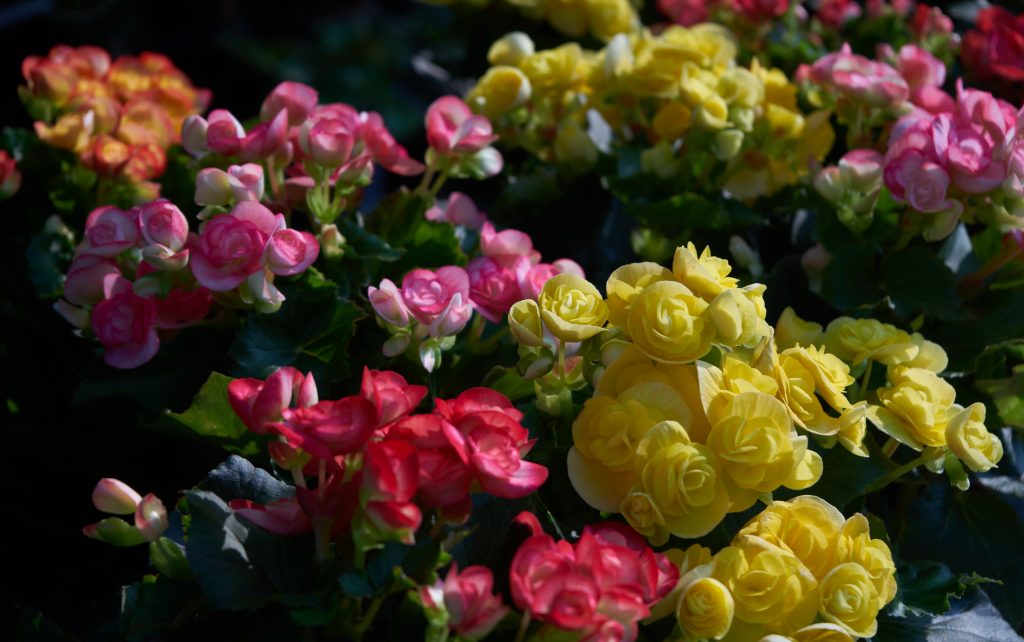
{"type": "Point", "coordinates": [600, 586]}
{"type": "Point", "coordinates": [994, 51]}
{"type": "Point", "coordinates": [378, 464]}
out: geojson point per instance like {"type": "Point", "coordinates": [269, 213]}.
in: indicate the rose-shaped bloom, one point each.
{"type": "Point", "coordinates": [668, 323]}
{"type": "Point", "coordinates": [531, 277]}
{"type": "Point", "coordinates": [970, 441]}
{"type": "Point", "coordinates": [538, 560]}
{"type": "Point", "coordinates": [492, 288]}
{"type": "Point", "coordinates": [428, 294]}
{"type": "Point", "coordinates": [706, 608]}
{"type": "Point", "coordinates": [626, 283]}
{"type": "Point", "coordinates": [388, 485]}
{"type": "Point", "coordinates": [684, 480]}
{"type": "Point", "coordinates": [245, 182]}
{"type": "Point", "coordinates": [769, 584]}
{"type": "Point", "coordinates": [640, 512]}
{"type": "Point", "coordinates": [299, 99]}
{"type": "Point", "coordinates": [933, 100]}
{"type": "Point", "coordinates": [506, 246]}
{"type": "Point", "coordinates": [110, 231]}
{"type": "Point", "coordinates": [736, 316]}
{"type": "Point", "coordinates": [525, 323]}
{"type": "Point", "coordinates": [854, 340]}
{"type": "Point", "coordinates": [388, 303]}
{"type": "Point", "coordinates": [808, 373]}
{"type": "Point", "coordinates": [266, 139]}
{"type": "Point", "coordinates": [71, 131]}
{"type": "Point", "coordinates": [290, 252]}
{"type": "Point", "coordinates": [86, 277]}
{"type": "Point", "coordinates": [125, 324]}
{"type": "Point", "coordinates": [500, 90]}
{"type": "Point", "coordinates": [226, 253]}
{"type": "Point", "coordinates": [453, 128]}
{"type": "Point", "coordinates": [854, 544]}
{"type": "Point", "coordinates": [916, 407]}
{"type": "Point", "coordinates": [390, 394]}
{"type": "Point", "coordinates": [259, 403]}
{"type": "Point", "coordinates": [327, 141]}
{"type": "Point", "coordinates": [836, 13]}
{"type": "Point", "coordinates": [994, 51]}
{"type": "Point", "coordinates": [163, 223]}
{"type": "Point", "coordinates": [806, 526]}
{"type": "Point", "coordinates": [468, 598]}
{"type": "Point", "coordinates": [705, 275]}
{"type": "Point", "coordinates": [930, 355]}
{"type": "Point", "coordinates": [920, 68]}
{"type": "Point", "coordinates": [224, 133]}
{"type": "Point", "coordinates": [329, 428]}
{"type": "Point", "coordinates": [572, 308]}
{"type": "Point", "coordinates": [914, 179]}
{"type": "Point", "coordinates": [861, 170]}
{"type": "Point", "coordinates": [848, 598]}
{"type": "Point", "coordinates": [602, 463]}
{"type": "Point", "coordinates": [968, 155]}
{"type": "Point", "coordinates": [753, 437]}
{"type": "Point", "coordinates": [860, 80]}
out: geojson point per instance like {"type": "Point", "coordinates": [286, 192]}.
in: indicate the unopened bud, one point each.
{"type": "Point", "coordinates": [151, 518]}
{"type": "Point", "coordinates": [115, 497]}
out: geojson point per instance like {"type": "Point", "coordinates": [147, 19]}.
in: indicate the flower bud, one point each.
{"type": "Point", "coordinates": [265, 295]}
{"type": "Point", "coordinates": [290, 252]}
{"type": "Point", "coordinates": [525, 323]}
{"type": "Point", "coordinates": [387, 303]}
{"type": "Point", "coordinates": [213, 187]}
{"type": "Point", "coordinates": [734, 317]}
{"type": "Point", "coordinates": [328, 141]}
{"type": "Point", "coordinates": [164, 259]}
{"type": "Point", "coordinates": [300, 100]}
{"type": "Point", "coordinates": [193, 135]}
{"type": "Point", "coordinates": [510, 49]}
{"type": "Point", "coordinates": [829, 183]}
{"type": "Point", "coordinates": [76, 316]}
{"type": "Point", "coordinates": [727, 144]}
{"type": "Point", "coordinates": [151, 518]}
{"type": "Point", "coordinates": [970, 441]}
{"type": "Point", "coordinates": [861, 170]}
{"type": "Point", "coordinates": [430, 355]}
{"type": "Point", "coordinates": [115, 497]}
{"type": "Point", "coordinates": [246, 182]}
{"type": "Point", "coordinates": [332, 242]}
{"type": "Point", "coordinates": [163, 223]}
{"type": "Point", "coordinates": [453, 319]}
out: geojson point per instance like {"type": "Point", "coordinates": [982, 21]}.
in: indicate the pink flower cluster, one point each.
{"type": "Point", "coordinates": [924, 73]}
{"type": "Point", "coordinates": [857, 82]}
{"type": "Point", "coordinates": [461, 140]}
{"type": "Point", "coordinates": [125, 296]}
{"type": "Point", "coordinates": [378, 464]}
{"type": "Point", "coordinates": [599, 587]}
{"type": "Point", "coordinates": [466, 600]}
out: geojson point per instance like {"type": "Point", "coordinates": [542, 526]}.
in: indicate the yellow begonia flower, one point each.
{"type": "Point", "coordinates": [792, 331]}
{"type": "Point", "coordinates": [784, 123]}
{"type": "Point", "coordinates": [970, 441]}
{"type": "Point", "coordinates": [633, 367]}
{"type": "Point", "coordinates": [683, 479]}
{"type": "Point", "coordinates": [855, 340]}
{"type": "Point", "coordinates": [566, 16]}
{"type": "Point", "coordinates": [626, 283]}
{"type": "Point", "coordinates": [916, 407]}
{"type": "Point", "coordinates": [525, 323]}
{"type": "Point", "coordinates": [777, 88]}
{"type": "Point", "coordinates": [855, 544]}
{"type": "Point", "coordinates": [642, 513]}
{"type": "Point", "coordinates": [815, 140]}
{"type": "Point", "coordinates": [672, 120]}
{"type": "Point", "coordinates": [737, 318]}
{"type": "Point", "coordinates": [820, 632]}
{"type": "Point", "coordinates": [719, 385]}
{"type": "Point", "coordinates": [757, 447]}
{"type": "Point", "coordinates": [848, 598]}
{"type": "Point", "coordinates": [769, 584]}
{"type": "Point", "coordinates": [693, 557]}
{"type": "Point", "coordinates": [499, 91]}
{"type": "Point", "coordinates": [572, 308]}
{"type": "Point", "coordinates": [852, 428]}
{"type": "Point", "coordinates": [71, 131]}
{"type": "Point", "coordinates": [712, 46]}
{"type": "Point", "coordinates": [706, 607]}
{"type": "Point", "coordinates": [607, 18]}
{"type": "Point", "coordinates": [656, 69]}
{"type": "Point", "coordinates": [602, 462]}
{"type": "Point", "coordinates": [930, 355]}
{"type": "Point", "coordinates": [573, 146]}
{"type": "Point", "coordinates": [806, 526]}
{"type": "Point", "coordinates": [705, 275]}
{"type": "Point", "coordinates": [510, 49]}
{"type": "Point", "coordinates": [667, 322]}
{"type": "Point", "coordinates": [552, 69]}
{"type": "Point", "coordinates": [807, 374]}
{"type": "Point", "coordinates": [740, 87]}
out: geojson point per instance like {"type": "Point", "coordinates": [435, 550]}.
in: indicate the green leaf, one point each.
{"type": "Point", "coordinates": [399, 220]}
{"type": "Point", "coordinates": [236, 478]}
{"type": "Point", "coordinates": [691, 211]}
{"type": "Point", "coordinates": [509, 383]}
{"type": "Point", "coordinates": [211, 417]}
{"type": "Point", "coordinates": [972, 619]}
{"type": "Point", "coordinates": [919, 282]}
{"type": "Point", "coordinates": [168, 557]}
{"type": "Point", "coordinates": [849, 280]}
{"type": "Point", "coordinates": [310, 332]}
{"type": "Point", "coordinates": [995, 318]}
{"type": "Point", "coordinates": [845, 476]}
{"type": "Point", "coordinates": [361, 243]}
{"type": "Point", "coordinates": [49, 254]}
{"type": "Point", "coordinates": [926, 588]}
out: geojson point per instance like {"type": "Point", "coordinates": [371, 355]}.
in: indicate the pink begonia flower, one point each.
{"type": "Point", "coordinates": [968, 155]}
{"type": "Point", "coordinates": [246, 182]}
{"type": "Point", "coordinates": [300, 100]}
{"type": "Point", "coordinates": [193, 135]}
{"type": "Point", "coordinates": [115, 497]}
{"type": "Point", "coordinates": [85, 278]}
{"type": "Point", "coordinates": [386, 151]}
{"type": "Point", "coordinates": [181, 308]}
{"type": "Point", "coordinates": [531, 278]}
{"type": "Point", "coordinates": [506, 246]}
{"type": "Point", "coordinates": [224, 133]}
{"type": "Point", "coordinates": [685, 12]}
{"type": "Point", "coordinates": [492, 288]}
{"type": "Point", "coordinates": [920, 68]}
{"type": "Point", "coordinates": [453, 128]}
{"type": "Point", "coordinates": [452, 319]}
{"type": "Point", "coordinates": [932, 100]}
{"type": "Point", "coordinates": [469, 600]}
{"type": "Point", "coordinates": [213, 187]}
{"type": "Point", "coordinates": [913, 178]}
{"type": "Point", "coordinates": [110, 231]}
{"type": "Point", "coordinates": [265, 139]}
{"type": "Point", "coordinates": [836, 13]}
{"type": "Point", "coordinates": [427, 294]}
{"type": "Point", "coordinates": [390, 480]}
{"type": "Point", "coordinates": [760, 10]}
{"type": "Point", "coordinates": [162, 223]}
{"type": "Point", "coordinates": [230, 246]}
{"type": "Point", "coordinates": [259, 403]}
{"type": "Point", "coordinates": [329, 428]}
{"type": "Point", "coordinates": [290, 252]}
{"type": "Point", "coordinates": [458, 210]}
{"type": "Point", "coordinates": [387, 303]}
{"type": "Point", "coordinates": [327, 141]}
{"type": "Point", "coordinates": [283, 517]}
{"type": "Point", "coordinates": [928, 20]}
{"type": "Point", "coordinates": [860, 80]}
{"type": "Point", "coordinates": [124, 323]}
{"type": "Point", "coordinates": [444, 478]}
{"type": "Point", "coordinates": [390, 394]}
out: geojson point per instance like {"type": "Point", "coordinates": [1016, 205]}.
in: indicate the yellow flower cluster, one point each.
{"type": "Point", "coordinates": [671, 440]}
{"type": "Point", "coordinates": [916, 406]}
{"type": "Point", "coordinates": [681, 90]}
{"type": "Point", "coordinates": [797, 572]}
{"type": "Point", "coordinates": [575, 18]}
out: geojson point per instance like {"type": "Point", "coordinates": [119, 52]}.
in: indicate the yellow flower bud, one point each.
{"type": "Point", "coordinates": [791, 330]}
{"type": "Point", "coordinates": [525, 323]}
{"type": "Point", "coordinates": [970, 441]}
{"type": "Point", "coordinates": [848, 598]}
{"type": "Point", "coordinates": [510, 49]}
{"type": "Point", "coordinates": [784, 123]}
{"type": "Point", "coordinates": [643, 515]}
{"type": "Point", "coordinates": [712, 113]}
{"type": "Point", "coordinates": [607, 18]}
{"type": "Point", "coordinates": [769, 584]}
{"type": "Point", "coordinates": [705, 275]}
{"type": "Point", "coordinates": [740, 87]}
{"type": "Point", "coordinates": [572, 308]}
{"type": "Point", "coordinates": [552, 69]}
{"type": "Point", "coordinates": [500, 90]}
{"type": "Point", "coordinates": [672, 120]}
{"type": "Point", "coordinates": [626, 283]}
{"type": "Point", "coordinates": [736, 319]}
{"type": "Point", "coordinates": [706, 609]}
{"type": "Point", "coordinates": [683, 479]}
{"type": "Point", "coordinates": [916, 407]}
{"type": "Point", "coordinates": [807, 527]}
{"type": "Point", "coordinates": [686, 561]}
{"type": "Point", "coordinates": [727, 143]}
{"type": "Point", "coordinates": [660, 160]}
{"type": "Point", "coordinates": [667, 322]}
{"type": "Point", "coordinates": [854, 340]}
{"type": "Point", "coordinates": [852, 427]}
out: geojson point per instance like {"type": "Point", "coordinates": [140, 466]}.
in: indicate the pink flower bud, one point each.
{"type": "Point", "coordinates": [246, 182]}
{"type": "Point", "coordinates": [298, 99]}
{"type": "Point", "coordinates": [164, 259]}
{"type": "Point", "coordinates": [327, 141]}
{"type": "Point", "coordinates": [115, 497]}
{"type": "Point", "coordinates": [265, 295]}
{"type": "Point", "coordinates": [213, 187]}
{"type": "Point", "coordinates": [163, 223]}
{"type": "Point", "coordinates": [506, 246]}
{"type": "Point", "coordinates": [384, 148]}
{"type": "Point", "coordinates": [224, 133]}
{"type": "Point", "coordinates": [193, 135]}
{"type": "Point", "coordinates": [265, 139]}
{"type": "Point", "coordinates": [453, 128]}
{"type": "Point", "coordinates": [387, 303]}
{"type": "Point", "coordinates": [151, 518]}
{"type": "Point", "coordinates": [84, 282]}
{"type": "Point", "coordinates": [468, 597]}
{"type": "Point", "coordinates": [829, 183]}
{"type": "Point", "coordinates": [290, 252]}
{"type": "Point", "coordinates": [110, 231]}
{"type": "Point", "coordinates": [861, 170]}
{"type": "Point", "coordinates": [124, 324]}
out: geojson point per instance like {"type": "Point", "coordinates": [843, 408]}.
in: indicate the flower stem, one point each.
{"type": "Point", "coordinates": [367, 620]}
{"type": "Point", "coordinates": [890, 447]}
{"type": "Point", "coordinates": [865, 380]}
{"type": "Point", "coordinates": [895, 474]}
{"type": "Point", "coordinates": [524, 624]}
{"type": "Point", "coordinates": [561, 362]}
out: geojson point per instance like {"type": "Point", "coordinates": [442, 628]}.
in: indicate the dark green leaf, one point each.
{"type": "Point", "coordinates": [157, 607]}
{"type": "Point", "coordinates": [399, 220]}
{"type": "Point", "coordinates": [363, 244]}
{"type": "Point", "coordinates": [926, 587]}
{"type": "Point", "coordinates": [691, 211]}
{"type": "Point", "coordinates": [211, 417]}
{"type": "Point", "coordinates": [168, 557]}
{"type": "Point", "coordinates": [236, 478]}
{"type": "Point", "coordinates": [845, 476]}
{"type": "Point", "coordinates": [972, 619]}
{"type": "Point", "coordinates": [49, 254]}
{"type": "Point", "coordinates": [919, 282]}
{"type": "Point", "coordinates": [849, 280]}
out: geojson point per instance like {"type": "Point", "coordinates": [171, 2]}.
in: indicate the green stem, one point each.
{"type": "Point", "coordinates": [561, 362]}
{"type": "Point", "coordinates": [427, 177]}
{"type": "Point", "coordinates": [865, 380]}
{"type": "Point", "coordinates": [890, 447]}
{"type": "Point", "coordinates": [893, 475]}
{"type": "Point", "coordinates": [367, 620]}
{"type": "Point", "coordinates": [440, 182]}
{"type": "Point", "coordinates": [275, 185]}
{"type": "Point", "coordinates": [524, 624]}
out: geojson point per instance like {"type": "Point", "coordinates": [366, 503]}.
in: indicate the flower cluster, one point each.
{"type": "Point", "coordinates": [117, 498]}
{"type": "Point", "coordinates": [377, 464]}
{"type": "Point", "coordinates": [119, 116]}
{"type": "Point", "coordinates": [993, 52]}
{"type": "Point", "coordinates": [464, 602]}
{"type": "Point", "coordinates": [739, 128]}
{"type": "Point", "coordinates": [424, 313]}
{"type": "Point", "coordinates": [797, 571]}
{"type": "Point", "coordinates": [599, 587]}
